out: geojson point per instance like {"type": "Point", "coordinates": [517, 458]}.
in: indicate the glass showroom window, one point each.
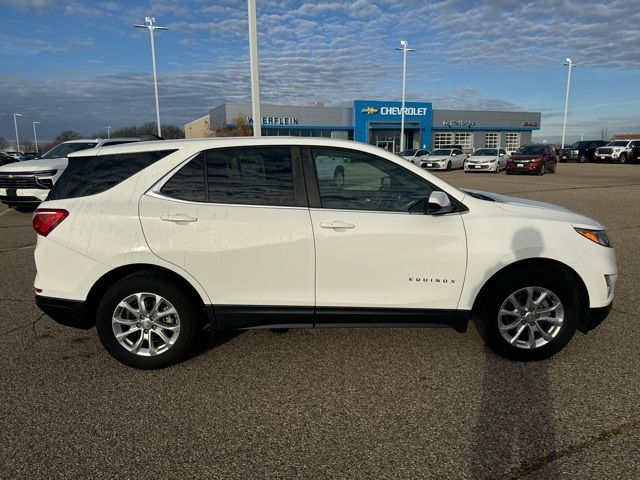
{"type": "Point", "coordinates": [513, 142]}
{"type": "Point", "coordinates": [491, 140]}
{"type": "Point", "coordinates": [465, 139]}
{"type": "Point", "coordinates": [442, 138]}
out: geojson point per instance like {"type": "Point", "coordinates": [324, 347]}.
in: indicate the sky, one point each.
{"type": "Point", "coordinates": [76, 64]}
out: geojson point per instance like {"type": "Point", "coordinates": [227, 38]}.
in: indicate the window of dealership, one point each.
{"type": "Point", "coordinates": [378, 123]}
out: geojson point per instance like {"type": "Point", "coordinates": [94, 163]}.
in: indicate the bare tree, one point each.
{"type": "Point", "coordinates": [4, 143]}
{"type": "Point", "coordinates": [605, 135]}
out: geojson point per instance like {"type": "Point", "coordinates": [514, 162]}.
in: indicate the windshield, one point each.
{"type": "Point", "coordinates": [408, 153]}
{"type": "Point", "coordinates": [530, 150]}
{"type": "Point", "coordinates": [440, 152]}
{"type": "Point", "coordinates": [579, 145]}
{"type": "Point", "coordinates": [485, 152]}
{"type": "Point", "coordinates": [64, 149]}
{"type": "Point", "coordinates": [617, 144]}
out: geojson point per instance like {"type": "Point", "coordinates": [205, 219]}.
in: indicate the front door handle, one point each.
{"type": "Point", "coordinates": [337, 224]}
{"type": "Point", "coordinates": [179, 218]}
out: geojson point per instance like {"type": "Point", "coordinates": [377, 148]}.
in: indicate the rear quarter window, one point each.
{"type": "Point", "coordinates": [91, 175]}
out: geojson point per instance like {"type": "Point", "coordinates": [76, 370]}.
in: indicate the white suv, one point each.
{"type": "Point", "coordinates": [26, 184]}
{"type": "Point", "coordinates": [158, 242]}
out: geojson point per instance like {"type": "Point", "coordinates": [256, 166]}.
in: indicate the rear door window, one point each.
{"type": "Point", "coordinates": [245, 175]}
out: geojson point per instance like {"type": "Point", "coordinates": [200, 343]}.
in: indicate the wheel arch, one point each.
{"type": "Point", "coordinates": [118, 273]}
{"type": "Point", "coordinates": [544, 263]}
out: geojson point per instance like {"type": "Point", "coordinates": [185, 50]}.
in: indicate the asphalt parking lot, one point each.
{"type": "Point", "coordinates": [370, 403]}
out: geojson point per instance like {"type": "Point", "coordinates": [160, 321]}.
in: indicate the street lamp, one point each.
{"type": "Point", "coordinates": [570, 64]}
{"type": "Point", "coordinates": [109, 132]}
{"type": "Point", "coordinates": [253, 67]}
{"type": "Point", "coordinates": [35, 135]}
{"type": "Point", "coordinates": [150, 25]}
{"type": "Point", "coordinates": [405, 48]}
{"type": "Point", "coordinates": [15, 124]}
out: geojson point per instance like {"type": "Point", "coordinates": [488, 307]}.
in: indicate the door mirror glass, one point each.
{"type": "Point", "coordinates": [439, 204]}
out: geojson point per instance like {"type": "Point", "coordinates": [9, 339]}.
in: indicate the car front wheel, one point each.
{"type": "Point", "coordinates": [145, 321]}
{"type": "Point", "coordinates": [529, 316]}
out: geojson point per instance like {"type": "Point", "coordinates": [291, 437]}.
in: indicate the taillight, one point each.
{"type": "Point", "coordinates": [46, 219]}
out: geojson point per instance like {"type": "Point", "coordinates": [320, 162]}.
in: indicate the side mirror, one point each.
{"type": "Point", "coordinates": [385, 183]}
{"type": "Point", "coordinates": [439, 204]}
{"type": "Point", "coordinates": [454, 154]}
{"type": "Point", "coordinates": [502, 154]}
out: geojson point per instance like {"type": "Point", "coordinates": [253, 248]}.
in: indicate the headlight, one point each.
{"type": "Point", "coordinates": [617, 150]}
{"type": "Point", "coordinates": [575, 152]}
{"type": "Point", "coordinates": [596, 236]}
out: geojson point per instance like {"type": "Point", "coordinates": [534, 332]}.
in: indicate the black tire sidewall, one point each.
{"type": "Point", "coordinates": [181, 301]}
{"type": "Point", "coordinates": [487, 317]}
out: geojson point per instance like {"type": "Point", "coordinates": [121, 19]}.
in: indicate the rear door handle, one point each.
{"type": "Point", "coordinates": [179, 218]}
{"type": "Point", "coordinates": [337, 224]}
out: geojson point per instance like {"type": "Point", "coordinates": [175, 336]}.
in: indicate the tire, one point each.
{"type": "Point", "coordinates": [622, 158]}
{"type": "Point", "coordinates": [488, 319]}
{"type": "Point", "coordinates": [448, 166]}
{"type": "Point", "coordinates": [541, 172]}
{"type": "Point", "coordinates": [173, 296]}
{"type": "Point", "coordinates": [583, 159]}
{"type": "Point", "coordinates": [508, 172]}
{"type": "Point", "coordinates": [338, 178]}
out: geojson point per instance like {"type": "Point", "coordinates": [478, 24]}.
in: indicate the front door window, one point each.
{"type": "Point", "coordinates": [352, 180]}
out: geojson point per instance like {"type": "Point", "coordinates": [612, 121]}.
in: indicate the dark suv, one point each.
{"type": "Point", "coordinates": [582, 152]}
{"type": "Point", "coordinates": [533, 159]}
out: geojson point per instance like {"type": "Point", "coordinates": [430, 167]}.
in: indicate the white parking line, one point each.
{"type": "Point", "coordinates": [6, 211]}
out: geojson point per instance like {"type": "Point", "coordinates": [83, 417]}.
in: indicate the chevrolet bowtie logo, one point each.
{"type": "Point", "coordinates": [370, 110]}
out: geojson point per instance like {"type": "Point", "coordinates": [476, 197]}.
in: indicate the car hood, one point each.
{"type": "Point", "coordinates": [483, 158]}
{"type": "Point", "coordinates": [437, 158]}
{"type": "Point", "coordinates": [526, 207]}
{"type": "Point", "coordinates": [35, 165]}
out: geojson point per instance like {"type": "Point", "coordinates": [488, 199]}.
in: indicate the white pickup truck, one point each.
{"type": "Point", "coordinates": [617, 151]}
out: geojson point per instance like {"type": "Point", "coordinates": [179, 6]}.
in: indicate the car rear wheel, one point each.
{"type": "Point", "coordinates": [146, 322]}
{"type": "Point", "coordinates": [531, 315]}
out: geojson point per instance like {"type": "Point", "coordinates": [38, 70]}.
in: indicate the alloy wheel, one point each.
{"type": "Point", "coordinates": [530, 317]}
{"type": "Point", "coordinates": [145, 324]}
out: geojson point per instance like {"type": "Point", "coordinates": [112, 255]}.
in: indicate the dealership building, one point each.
{"type": "Point", "coordinates": [378, 123]}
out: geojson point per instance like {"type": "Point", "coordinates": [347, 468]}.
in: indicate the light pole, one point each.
{"type": "Point", "coordinates": [35, 135]}
{"type": "Point", "coordinates": [570, 64]}
{"type": "Point", "coordinates": [405, 48]}
{"type": "Point", "coordinates": [253, 64]}
{"type": "Point", "coordinates": [109, 132]}
{"type": "Point", "coordinates": [150, 25]}
{"type": "Point", "coordinates": [15, 124]}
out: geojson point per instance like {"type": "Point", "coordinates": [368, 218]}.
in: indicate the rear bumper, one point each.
{"type": "Point", "coordinates": [595, 317]}
{"type": "Point", "coordinates": [71, 313]}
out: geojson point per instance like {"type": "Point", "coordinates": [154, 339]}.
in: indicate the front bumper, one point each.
{"type": "Point", "coordinates": [480, 167]}
{"type": "Point", "coordinates": [595, 317]}
{"type": "Point", "coordinates": [22, 196]}
{"type": "Point", "coordinates": [606, 157]}
{"type": "Point", "coordinates": [71, 313]}
{"type": "Point", "coordinates": [524, 167]}
{"type": "Point", "coordinates": [433, 166]}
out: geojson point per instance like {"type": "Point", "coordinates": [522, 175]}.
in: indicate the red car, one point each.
{"type": "Point", "coordinates": [536, 159]}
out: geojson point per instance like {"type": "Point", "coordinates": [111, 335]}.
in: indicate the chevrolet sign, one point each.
{"type": "Point", "coordinates": [396, 111]}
